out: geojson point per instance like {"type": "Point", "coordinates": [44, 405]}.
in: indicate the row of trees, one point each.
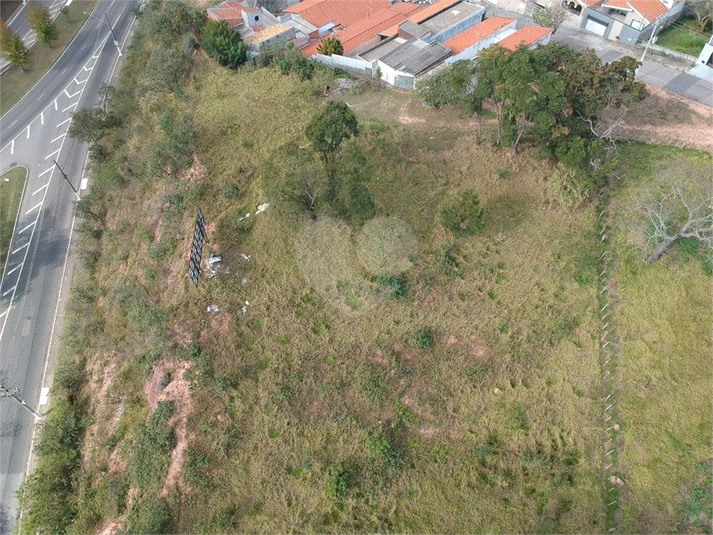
{"type": "Point", "coordinates": [11, 44]}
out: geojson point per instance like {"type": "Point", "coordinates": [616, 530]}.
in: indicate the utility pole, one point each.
{"type": "Point", "coordinates": [651, 38]}
{"type": "Point", "coordinates": [111, 29]}
{"type": "Point", "coordinates": [67, 179]}
{"type": "Point", "coordinates": [6, 392]}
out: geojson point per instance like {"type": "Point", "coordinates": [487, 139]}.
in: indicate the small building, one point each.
{"type": "Point", "coordinates": [272, 37]}
{"type": "Point", "coordinates": [469, 43]}
{"type": "Point", "coordinates": [440, 21]}
{"type": "Point", "coordinates": [629, 21]}
{"type": "Point", "coordinates": [235, 14]}
{"type": "Point", "coordinates": [529, 36]}
{"type": "Point", "coordinates": [401, 65]}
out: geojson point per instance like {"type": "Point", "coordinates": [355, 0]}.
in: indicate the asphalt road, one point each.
{"type": "Point", "coordinates": [18, 23]}
{"type": "Point", "coordinates": [38, 268]}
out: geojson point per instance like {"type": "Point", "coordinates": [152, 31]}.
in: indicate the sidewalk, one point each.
{"type": "Point", "coordinates": [666, 72]}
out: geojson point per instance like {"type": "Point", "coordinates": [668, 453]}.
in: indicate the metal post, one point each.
{"type": "Point", "coordinates": [111, 29]}
{"type": "Point", "coordinates": [6, 392]}
{"type": "Point", "coordinates": [67, 179]}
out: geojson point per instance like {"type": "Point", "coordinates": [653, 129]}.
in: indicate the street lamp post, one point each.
{"type": "Point", "coordinates": [13, 393]}
{"type": "Point", "coordinates": [111, 29]}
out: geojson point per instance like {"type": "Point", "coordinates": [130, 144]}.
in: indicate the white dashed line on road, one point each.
{"type": "Point", "coordinates": [59, 137]}
{"type": "Point", "coordinates": [12, 123]}
{"type": "Point", "coordinates": [12, 147]}
{"type": "Point", "coordinates": [52, 154]}
{"type": "Point", "coordinates": [28, 227]}
{"type": "Point", "coordinates": [43, 187]}
{"type": "Point", "coordinates": [44, 173]}
{"type": "Point", "coordinates": [63, 71]}
{"type": "Point", "coordinates": [8, 291]}
{"type": "Point", "coordinates": [55, 105]}
{"type": "Point", "coordinates": [28, 131]}
{"type": "Point", "coordinates": [21, 247]}
{"type": "Point", "coordinates": [35, 207]}
{"type": "Point", "coordinates": [18, 266]}
{"type": "Point", "coordinates": [70, 107]}
{"type": "Point", "coordinates": [65, 121]}
{"type": "Point", "coordinates": [42, 117]}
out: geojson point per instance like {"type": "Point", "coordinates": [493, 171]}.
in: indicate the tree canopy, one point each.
{"type": "Point", "coordinates": [552, 16]}
{"type": "Point", "coordinates": [39, 19]}
{"type": "Point", "coordinates": [334, 124]}
{"type": "Point", "coordinates": [223, 44]}
{"type": "Point", "coordinates": [12, 46]}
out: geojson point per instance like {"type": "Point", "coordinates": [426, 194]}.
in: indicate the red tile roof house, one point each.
{"type": "Point", "coordinates": [468, 44]}
{"type": "Point", "coordinates": [629, 21]}
{"type": "Point", "coordinates": [364, 33]}
{"type": "Point", "coordinates": [529, 36]}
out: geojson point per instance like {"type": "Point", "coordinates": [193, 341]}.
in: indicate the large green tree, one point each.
{"type": "Point", "coordinates": [560, 93]}
{"type": "Point", "coordinates": [39, 19]}
{"type": "Point", "coordinates": [334, 124]}
{"type": "Point", "coordinates": [223, 44]}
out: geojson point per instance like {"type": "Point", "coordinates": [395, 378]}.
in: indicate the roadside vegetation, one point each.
{"type": "Point", "coordinates": [12, 184]}
{"type": "Point", "coordinates": [20, 79]}
{"type": "Point", "coordinates": [410, 328]}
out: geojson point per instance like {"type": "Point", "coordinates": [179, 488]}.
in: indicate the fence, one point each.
{"type": "Point", "coordinates": [352, 65]}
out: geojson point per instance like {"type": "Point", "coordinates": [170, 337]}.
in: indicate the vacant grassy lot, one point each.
{"type": "Point", "coordinates": [12, 184]}
{"type": "Point", "coordinates": [665, 316]}
{"type": "Point", "coordinates": [363, 373]}
{"type": "Point", "coordinates": [684, 37]}
{"type": "Point", "coordinates": [15, 82]}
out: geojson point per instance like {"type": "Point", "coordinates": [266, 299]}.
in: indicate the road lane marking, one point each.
{"type": "Point", "coordinates": [55, 152]}
{"type": "Point", "coordinates": [28, 227]}
{"type": "Point", "coordinates": [35, 207]}
{"type": "Point", "coordinates": [78, 82]}
{"type": "Point", "coordinates": [59, 137]}
{"type": "Point", "coordinates": [63, 71]}
{"type": "Point", "coordinates": [12, 147]}
{"type": "Point", "coordinates": [12, 123]}
{"type": "Point", "coordinates": [1, 315]}
{"type": "Point", "coordinates": [28, 131]}
{"type": "Point", "coordinates": [83, 46]}
{"type": "Point", "coordinates": [42, 117]}
{"type": "Point", "coordinates": [18, 266]}
{"type": "Point", "coordinates": [55, 104]}
{"type": "Point", "coordinates": [42, 187]}
{"type": "Point", "coordinates": [63, 122]}
{"type": "Point", "coordinates": [21, 247]}
{"type": "Point", "coordinates": [70, 107]}
{"type": "Point", "coordinates": [8, 291]}
{"type": "Point", "coordinates": [44, 173]}
{"type": "Point", "coordinates": [83, 184]}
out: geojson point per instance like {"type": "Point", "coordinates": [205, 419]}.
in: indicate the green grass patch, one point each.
{"type": "Point", "coordinates": [16, 83]}
{"type": "Point", "coordinates": [664, 320]}
{"type": "Point", "coordinates": [684, 37]}
{"type": "Point", "coordinates": [12, 184]}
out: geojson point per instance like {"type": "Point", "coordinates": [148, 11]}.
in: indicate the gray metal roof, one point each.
{"type": "Point", "coordinates": [415, 56]}
{"type": "Point", "coordinates": [382, 49]}
{"type": "Point", "coordinates": [451, 16]}
{"type": "Point", "coordinates": [414, 30]}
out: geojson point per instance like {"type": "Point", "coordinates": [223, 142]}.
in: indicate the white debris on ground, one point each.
{"type": "Point", "coordinates": [260, 209]}
{"type": "Point", "coordinates": [212, 308]}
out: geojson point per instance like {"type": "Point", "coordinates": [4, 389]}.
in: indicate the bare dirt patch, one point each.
{"type": "Point", "coordinates": [478, 349]}
{"type": "Point", "coordinates": [177, 390]}
{"type": "Point", "coordinates": [667, 119]}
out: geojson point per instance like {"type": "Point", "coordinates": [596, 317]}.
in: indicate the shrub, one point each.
{"type": "Point", "coordinates": [566, 188]}
{"type": "Point", "coordinates": [448, 263]}
{"type": "Point", "coordinates": [223, 44]}
{"type": "Point", "coordinates": [424, 338]}
{"type": "Point", "coordinates": [329, 46]}
{"type": "Point", "coordinates": [150, 453]}
{"type": "Point", "coordinates": [397, 285]}
{"type": "Point", "coordinates": [463, 215]}
{"type": "Point", "coordinates": [149, 516]}
{"type": "Point", "coordinates": [293, 61]}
